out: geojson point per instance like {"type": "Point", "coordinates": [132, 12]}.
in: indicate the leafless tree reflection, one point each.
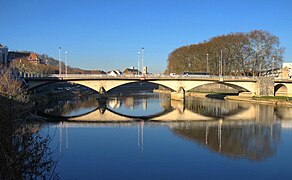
{"type": "Point", "coordinates": [25, 152]}
{"type": "Point", "coordinates": [237, 140]}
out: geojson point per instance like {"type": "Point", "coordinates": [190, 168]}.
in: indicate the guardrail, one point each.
{"type": "Point", "coordinates": [78, 76]}
{"type": "Point", "coordinates": [147, 76]}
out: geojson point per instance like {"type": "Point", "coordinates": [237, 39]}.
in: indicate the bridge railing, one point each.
{"type": "Point", "coordinates": [159, 76]}
{"type": "Point", "coordinates": [78, 75]}
{"type": "Point", "coordinates": [131, 77]}
{"type": "Point", "coordinates": [148, 76]}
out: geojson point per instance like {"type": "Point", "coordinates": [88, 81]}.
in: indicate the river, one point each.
{"type": "Point", "coordinates": [153, 137]}
{"type": "Point", "coordinates": [145, 135]}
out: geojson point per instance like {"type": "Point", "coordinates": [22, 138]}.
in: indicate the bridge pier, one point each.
{"type": "Point", "coordinates": [102, 94]}
{"type": "Point", "coordinates": [265, 86]}
{"type": "Point", "coordinates": [102, 90]}
{"type": "Point", "coordinates": [179, 95]}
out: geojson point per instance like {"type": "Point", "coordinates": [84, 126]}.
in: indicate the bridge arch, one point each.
{"type": "Point", "coordinates": [281, 90]}
{"type": "Point", "coordinates": [102, 84]}
{"type": "Point", "coordinates": [142, 84]}
{"type": "Point", "coordinates": [36, 85]}
{"type": "Point", "coordinates": [242, 86]}
{"type": "Point", "coordinates": [177, 84]}
{"type": "Point", "coordinates": [238, 87]}
{"type": "Point", "coordinates": [235, 87]}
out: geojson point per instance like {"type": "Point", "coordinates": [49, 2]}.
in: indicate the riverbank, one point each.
{"type": "Point", "coordinates": [277, 101]}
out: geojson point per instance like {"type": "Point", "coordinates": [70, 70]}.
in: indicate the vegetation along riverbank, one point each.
{"type": "Point", "coordinates": [276, 100]}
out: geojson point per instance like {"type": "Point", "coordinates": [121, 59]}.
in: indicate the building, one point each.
{"type": "Point", "coordinates": [115, 73]}
{"type": "Point", "coordinates": [131, 71]}
{"type": "Point", "coordinates": [33, 58]}
{"type": "Point", "coordinates": [17, 54]}
{"type": "Point", "coordinates": [3, 54]}
{"type": "Point", "coordinates": [145, 70]}
{"type": "Point", "coordinates": [30, 56]}
{"type": "Point", "coordinates": [287, 67]}
{"type": "Point", "coordinates": [281, 73]}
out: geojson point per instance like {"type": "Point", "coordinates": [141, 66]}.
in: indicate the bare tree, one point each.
{"type": "Point", "coordinates": [265, 49]}
{"type": "Point", "coordinates": [243, 54]}
{"type": "Point", "coordinates": [11, 87]}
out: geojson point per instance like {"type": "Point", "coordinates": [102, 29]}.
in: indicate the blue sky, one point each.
{"type": "Point", "coordinates": [107, 34]}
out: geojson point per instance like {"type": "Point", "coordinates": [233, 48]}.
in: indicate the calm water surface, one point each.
{"type": "Point", "coordinates": [198, 139]}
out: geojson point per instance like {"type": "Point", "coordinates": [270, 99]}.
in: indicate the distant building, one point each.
{"type": "Point", "coordinates": [33, 58]}
{"type": "Point", "coordinates": [17, 54]}
{"type": "Point", "coordinates": [287, 67]}
{"type": "Point", "coordinates": [115, 73]}
{"type": "Point", "coordinates": [283, 73]}
{"type": "Point", "coordinates": [131, 71]}
{"type": "Point", "coordinates": [30, 56]}
{"type": "Point", "coordinates": [145, 70]}
{"type": "Point", "coordinates": [3, 54]}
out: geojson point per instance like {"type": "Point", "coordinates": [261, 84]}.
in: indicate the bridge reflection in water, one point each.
{"type": "Point", "coordinates": [198, 110]}
{"type": "Point", "coordinates": [233, 129]}
{"type": "Point", "coordinates": [114, 109]}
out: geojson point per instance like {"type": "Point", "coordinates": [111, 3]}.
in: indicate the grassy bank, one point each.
{"type": "Point", "coordinates": [277, 100]}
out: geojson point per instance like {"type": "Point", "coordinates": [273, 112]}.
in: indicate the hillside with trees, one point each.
{"type": "Point", "coordinates": [46, 65]}
{"type": "Point", "coordinates": [243, 54]}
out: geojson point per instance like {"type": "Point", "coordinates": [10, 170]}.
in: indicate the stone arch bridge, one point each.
{"type": "Point", "coordinates": [262, 86]}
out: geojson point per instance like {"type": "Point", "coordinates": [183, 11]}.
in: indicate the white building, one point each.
{"type": "Point", "coordinates": [3, 54]}
{"type": "Point", "coordinates": [145, 70]}
{"type": "Point", "coordinates": [115, 73]}
{"type": "Point", "coordinates": [288, 65]}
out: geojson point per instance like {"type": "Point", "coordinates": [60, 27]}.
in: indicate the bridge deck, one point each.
{"type": "Point", "coordinates": [140, 78]}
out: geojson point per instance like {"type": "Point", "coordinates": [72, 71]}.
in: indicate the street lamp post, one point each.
{"type": "Point", "coordinates": [207, 69]}
{"type": "Point", "coordinates": [60, 68]}
{"type": "Point", "coordinates": [273, 61]}
{"type": "Point", "coordinates": [142, 60]}
{"type": "Point", "coordinates": [138, 63]}
{"type": "Point", "coordinates": [66, 65]}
